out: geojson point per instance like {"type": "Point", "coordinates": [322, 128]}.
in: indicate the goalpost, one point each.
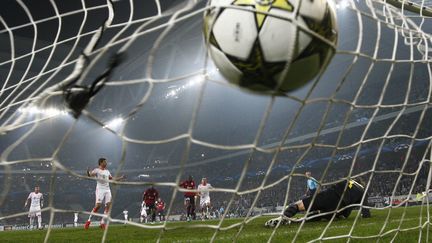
{"type": "Point", "coordinates": [144, 64]}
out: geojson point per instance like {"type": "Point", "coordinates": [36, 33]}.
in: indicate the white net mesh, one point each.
{"type": "Point", "coordinates": [164, 112]}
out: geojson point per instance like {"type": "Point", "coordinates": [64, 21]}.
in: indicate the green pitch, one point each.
{"type": "Point", "coordinates": [253, 231]}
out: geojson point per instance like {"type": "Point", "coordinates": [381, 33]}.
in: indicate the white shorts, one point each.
{"type": "Point", "coordinates": [34, 212]}
{"type": "Point", "coordinates": [143, 212]}
{"type": "Point", "coordinates": [204, 201]}
{"type": "Point", "coordinates": [103, 196]}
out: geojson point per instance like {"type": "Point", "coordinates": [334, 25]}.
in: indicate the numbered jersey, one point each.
{"type": "Point", "coordinates": [204, 190]}
{"type": "Point", "coordinates": [36, 199]}
{"type": "Point", "coordinates": [103, 176]}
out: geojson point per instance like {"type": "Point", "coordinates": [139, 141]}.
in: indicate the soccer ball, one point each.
{"type": "Point", "coordinates": [269, 45]}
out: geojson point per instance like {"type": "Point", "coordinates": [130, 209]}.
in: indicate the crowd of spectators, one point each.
{"type": "Point", "coordinates": [395, 167]}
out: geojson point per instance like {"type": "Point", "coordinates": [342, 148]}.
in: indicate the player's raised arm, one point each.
{"type": "Point", "coordinates": [182, 184]}
{"type": "Point", "coordinates": [118, 178]}
{"type": "Point", "coordinates": [91, 173]}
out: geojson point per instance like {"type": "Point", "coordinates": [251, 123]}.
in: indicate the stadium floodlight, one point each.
{"type": "Point", "coordinates": [34, 110]}
{"type": "Point", "coordinates": [114, 123]}
{"type": "Point", "coordinates": [342, 4]}
{"type": "Point", "coordinates": [174, 92]}
{"type": "Point", "coordinates": [53, 112]}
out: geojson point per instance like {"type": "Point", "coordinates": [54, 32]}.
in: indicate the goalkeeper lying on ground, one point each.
{"type": "Point", "coordinates": [326, 201]}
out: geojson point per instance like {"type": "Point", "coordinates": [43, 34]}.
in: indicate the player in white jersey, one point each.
{"type": "Point", "coordinates": [204, 194]}
{"type": "Point", "coordinates": [143, 212]}
{"type": "Point", "coordinates": [75, 219]}
{"type": "Point", "coordinates": [36, 203]}
{"type": "Point", "coordinates": [125, 213]}
{"type": "Point", "coordinates": [103, 191]}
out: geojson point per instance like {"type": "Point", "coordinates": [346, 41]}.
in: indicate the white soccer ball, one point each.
{"type": "Point", "coordinates": [264, 45]}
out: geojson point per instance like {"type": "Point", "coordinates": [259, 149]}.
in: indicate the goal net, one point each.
{"type": "Point", "coordinates": [132, 81]}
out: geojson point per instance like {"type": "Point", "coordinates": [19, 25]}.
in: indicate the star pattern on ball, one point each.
{"type": "Point", "coordinates": [265, 6]}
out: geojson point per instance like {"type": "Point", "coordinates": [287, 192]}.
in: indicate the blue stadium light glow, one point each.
{"type": "Point", "coordinates": [176, 90]}
{"type": "Point", "coordinates": [342, 4]}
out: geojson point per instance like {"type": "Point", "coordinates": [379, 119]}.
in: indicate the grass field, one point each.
{"type": "Point", "coordinates": [253, 231]}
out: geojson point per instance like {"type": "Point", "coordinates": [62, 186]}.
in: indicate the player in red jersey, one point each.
{"type": "Point", "coordinates": [149, 198]}
{"type": "Point", "coordinates": [160, 208]}
{"type": "Point", "coordinates": [189, 197]}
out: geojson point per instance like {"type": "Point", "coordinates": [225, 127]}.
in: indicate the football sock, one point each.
{"type": "Point", "coordinates": [93, 211]}
{"type": "Point", "coordinates": [103, 218]}
{"type": "Point", "coordinates": [39, 221]}
{"type": "Point", "coordinates": [31, 222]}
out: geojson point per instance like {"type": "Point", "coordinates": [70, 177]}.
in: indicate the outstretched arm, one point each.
{"type": "Point", "coordinates": [118, 178]}
{"type": "Point", "coordinates": [90, 173]}
{"type": "Point", "coordinates": [211, 187]}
